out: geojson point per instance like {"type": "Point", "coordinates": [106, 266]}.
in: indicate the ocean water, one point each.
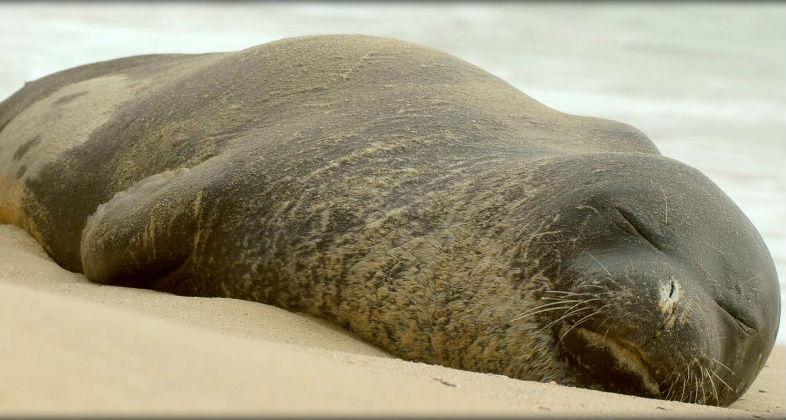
{"type": "Point", "coordinates": [707, 82]}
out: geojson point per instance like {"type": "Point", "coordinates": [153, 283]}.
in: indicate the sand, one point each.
{"type": "Point", "coordinates": [71, 347]}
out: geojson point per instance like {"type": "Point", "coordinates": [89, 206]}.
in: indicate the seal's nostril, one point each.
{"type": "Point", "coordinates": [669, 295]}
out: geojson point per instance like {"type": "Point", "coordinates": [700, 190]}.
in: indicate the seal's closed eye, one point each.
{"type": "Point", "coordinates": [631, 224]}
{"type": "Point", "coordinates": [743, 321]}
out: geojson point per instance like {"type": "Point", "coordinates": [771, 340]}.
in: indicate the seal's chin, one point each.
{"type": "Point", "coordinates": [610, 364]}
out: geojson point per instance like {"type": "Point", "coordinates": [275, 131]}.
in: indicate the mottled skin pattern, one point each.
{"type": "Point", "coordinates": [413, 198]}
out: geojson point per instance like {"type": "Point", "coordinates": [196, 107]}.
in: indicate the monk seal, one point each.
{"type": "Point", "coordinates": [406, 195]}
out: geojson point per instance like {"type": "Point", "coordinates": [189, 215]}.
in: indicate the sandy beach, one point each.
{"type": "Point", "coordinates": [704, 81]}
{"type": "Point", "coordinates": [72, 347]}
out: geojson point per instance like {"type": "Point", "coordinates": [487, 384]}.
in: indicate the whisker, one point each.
{"type": "Point", "coordinates": [672, 388]}
{"type": "Point", "coordinates": [712, 383]}
{"type": "Point", "coordinates": [560, 299]}
{"type": "Point", "coordinates": [518, 317]}
{"type": "Point", "coordinates": [680, 380]}
{"type": "Point", "coordinates": [588, 285]}
{"type": "Point", "coordinates": [694, 395]}
{"type": "Point", "coordinates": [750, 279]}
{"type": "Point", "coordinates": [563, 300]}
{"type": "Point", "coordinates": [564, 316]}
{"type": "Point", "coordinates": [562, 292]}
{"type": "Point", "coordinates": [548, 304]}
{"type": "Point", "coordinates": [530, 311]}
{"type": "Point", "coordinates": [599, 263]}
{"type": "Point", "coordinates": [720, 363]}
{"type": "Point", "coordinates": [722, 381]}
{"type": "Point", "coordinates": [579, 302]}
{"type": "Point", "coordinates": [684, 384]}
{"type": "Point", "coordinates": [579, 322]}
{"type": "Point", "coordinates": [607, 329]}
{"type": "Point", "coordinates": [666, 379]}
{"type": "Point", "coordinates": [604, 322]}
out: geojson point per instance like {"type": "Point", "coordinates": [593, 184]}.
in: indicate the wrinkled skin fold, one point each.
{"type": "Point", "coordinates": [406, 195]}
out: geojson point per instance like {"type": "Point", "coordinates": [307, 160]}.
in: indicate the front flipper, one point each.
{"type": "Point", "coordinates": [146, 234]}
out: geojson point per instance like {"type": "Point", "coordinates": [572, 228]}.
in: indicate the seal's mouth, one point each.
{"type": "Point", "coordinates": [610, 364]}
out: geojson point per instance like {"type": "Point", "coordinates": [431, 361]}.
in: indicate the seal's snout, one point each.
{"type": "Point", "coordinates": [644, 330]}
{"type": "Point", "coordinates": [653, 330]}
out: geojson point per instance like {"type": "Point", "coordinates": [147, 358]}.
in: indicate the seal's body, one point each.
{"type": "Point", "coordinates": [407, 195]}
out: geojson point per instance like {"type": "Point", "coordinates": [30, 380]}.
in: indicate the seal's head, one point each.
{"type": "Point", "coordinates": [663, 288]}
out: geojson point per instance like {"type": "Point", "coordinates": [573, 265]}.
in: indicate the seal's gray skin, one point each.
{"type": "Point", "coordinates": [420, 202]}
